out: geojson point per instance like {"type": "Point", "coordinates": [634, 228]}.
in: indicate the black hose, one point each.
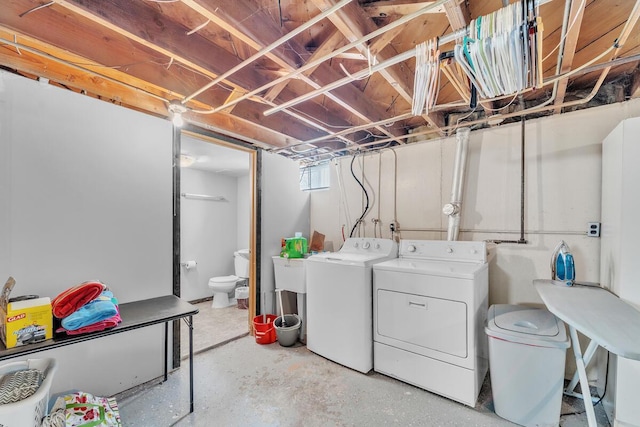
{"type": "Point", "coordinates": [364, 212]}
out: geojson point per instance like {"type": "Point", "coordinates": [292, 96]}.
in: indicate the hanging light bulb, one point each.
{"type": "Point", "coordinates": [177, 109]}
{"type": "Point", "coordinates": [177, 120]}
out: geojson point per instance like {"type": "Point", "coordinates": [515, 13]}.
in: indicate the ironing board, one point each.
{"type": "Point", "coordinates": [602, 317]}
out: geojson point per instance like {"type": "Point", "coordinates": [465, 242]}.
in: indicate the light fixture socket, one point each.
{"type": "Point", "coordinates": [186, 160]}
{"type": "Point", "coordinates": [176, 108]}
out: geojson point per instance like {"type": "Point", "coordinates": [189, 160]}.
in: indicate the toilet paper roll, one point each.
{"type": "Point", "coordinates": [189, 264]}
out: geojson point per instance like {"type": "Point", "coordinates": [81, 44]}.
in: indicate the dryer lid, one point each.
{"type": "Point", "coordinates": [461, 270]}
{"type": "Point", "coordinates": [347, 258]}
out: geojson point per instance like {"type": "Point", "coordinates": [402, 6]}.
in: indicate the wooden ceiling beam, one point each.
{"type": "Point", "coordinates": [458, 14]}
{"type": "Point", "coordinates": [355, 24]}
{"type": "Point", "coordinates": [570, 43]}
{"type": "Point", "coordinates": [329, 45]}
{"type": "Point", "coordinates": [383, 9]}
{"type": "Point", "coordinates": [162, 36]}
{"type": "Point", "coordinates": [258, 30]}
{"type": "Point", "coordinates": [459, 17]}
{"type": "Point", "coordinates": [128, 95]}
{"type": "Point", "coordinates": [381, 42]}
{"type": "Point", "coordinates": [118, 54]}
{"type": "Point", "coordinates": [192, 50]}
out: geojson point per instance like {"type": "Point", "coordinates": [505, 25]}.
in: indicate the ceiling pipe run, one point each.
{"type": "Point", "coordinates": [446, 39]}
{"type": "Point", "coordinates": [453, 209]}
{"type": "Point", "coordinates": [328, 56]}
{"type": "Point", "coordinates": [269, 48]}
{"type": "Point", "coordinates": [587, 67]}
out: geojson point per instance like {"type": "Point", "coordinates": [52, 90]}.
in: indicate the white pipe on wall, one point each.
{"type": "Point", "coordinates": [453, 208]}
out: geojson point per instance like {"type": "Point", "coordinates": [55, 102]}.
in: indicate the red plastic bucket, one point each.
{"type": "Point", "coordinates": [265, 332]}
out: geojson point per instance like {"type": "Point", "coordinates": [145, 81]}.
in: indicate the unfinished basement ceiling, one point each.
{"type": "Point", "coordinates": [230, 62]}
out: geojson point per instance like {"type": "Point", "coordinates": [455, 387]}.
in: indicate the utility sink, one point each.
{"type": "Point", "coordinates": [290, 274]}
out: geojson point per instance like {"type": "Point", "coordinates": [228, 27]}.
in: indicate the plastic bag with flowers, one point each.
{"type": "Point", "coordinates": [82, 409]}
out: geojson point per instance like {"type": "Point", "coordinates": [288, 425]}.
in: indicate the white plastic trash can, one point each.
{"type": "Point", "coordinates": [242, 297]}
{"type": "Point", "coordinates": [527, 349]}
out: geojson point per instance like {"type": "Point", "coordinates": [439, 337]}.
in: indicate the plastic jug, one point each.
{"type": "Point", "coordinates": [294, 247]}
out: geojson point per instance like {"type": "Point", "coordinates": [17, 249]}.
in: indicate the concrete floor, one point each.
{"type": "Point", "coordinates": [213, 327]}
{"type": "Point", "coordinates": [242, 383]}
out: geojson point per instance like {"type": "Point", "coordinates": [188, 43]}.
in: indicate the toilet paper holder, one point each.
{"type": "Point", "coordinates": [188, 264]}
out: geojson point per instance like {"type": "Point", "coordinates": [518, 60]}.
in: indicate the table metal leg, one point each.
{"type": "Point", "coordinates": [190, 364]}
{"type": "Point", "coordinates": [582, 373]}
{"type": "Point", "coordinates": [166, 348]}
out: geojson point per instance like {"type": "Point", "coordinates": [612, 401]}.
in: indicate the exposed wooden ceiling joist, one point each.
{"type": "Point", "coordinates": [142, 53]}
{"type": "Point", "coordinates": [258, 31]}
{"type": "Point", "coordinates": [120, 87]}
{"type": "Point", "coordinates": [390, 8]}
{"type": "Point", "coordinates": [569, 48]}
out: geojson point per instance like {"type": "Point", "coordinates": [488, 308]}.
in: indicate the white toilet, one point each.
{"type": "Point", "coordinates": [221, 286]}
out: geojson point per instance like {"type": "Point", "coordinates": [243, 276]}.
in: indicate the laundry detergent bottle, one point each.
{"type": "Point", "coordinates": [295, 247]}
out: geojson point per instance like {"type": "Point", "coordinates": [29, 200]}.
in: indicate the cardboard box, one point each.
{"type": "Point", "coordinates": [24, 322]}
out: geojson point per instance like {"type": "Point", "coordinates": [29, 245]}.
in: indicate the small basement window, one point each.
{"type": "Point", "coordinates": [315, 177]}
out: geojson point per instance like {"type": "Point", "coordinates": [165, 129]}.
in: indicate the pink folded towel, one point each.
{"type": "Point", "coordinates": [95, 327]}
{"type": "Point", "coordinates": [73, 298]}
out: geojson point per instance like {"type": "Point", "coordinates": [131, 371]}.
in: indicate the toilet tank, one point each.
{"type": "Point", "coordinates": [241, 262]}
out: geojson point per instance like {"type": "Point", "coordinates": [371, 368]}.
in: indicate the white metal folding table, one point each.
{"type": "Point", "coordinates": [599, 315]}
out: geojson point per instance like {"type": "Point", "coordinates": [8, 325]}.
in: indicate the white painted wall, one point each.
{"type": "Point", "coordinates": [563, 172]}
{"type": "Point", "coordinates": [285, 210]}
{"type": "Point", "coordinates": [86, 194]}
{"type": "Point", "coordinates": [563, 192]}
{"type": "Point", "coordinates": [208, 230]}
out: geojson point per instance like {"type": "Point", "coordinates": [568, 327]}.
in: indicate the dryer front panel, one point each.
{"type": "Point", "coordinates": [432, 323]}
{"type": "Point", "coordinates": [445, 329]}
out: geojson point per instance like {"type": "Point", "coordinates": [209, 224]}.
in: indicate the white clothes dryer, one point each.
{"type": "Point", "coordinates": [339, 301]}
{"type": "Point", "coordinates": [430, 307]}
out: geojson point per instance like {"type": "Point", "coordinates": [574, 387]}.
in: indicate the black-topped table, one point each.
{"type": "Point", "coordinates": [135, 315]}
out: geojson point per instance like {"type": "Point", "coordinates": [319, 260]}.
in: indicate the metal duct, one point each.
{"type": "Point", "coordinates": [453, 209]}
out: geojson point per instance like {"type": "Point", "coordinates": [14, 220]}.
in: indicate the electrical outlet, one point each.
{"type": "Point", "coordinates": [594, 229]}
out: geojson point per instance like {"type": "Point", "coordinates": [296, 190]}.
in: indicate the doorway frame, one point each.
{"type": "Point", "coordinates": [255, 160]}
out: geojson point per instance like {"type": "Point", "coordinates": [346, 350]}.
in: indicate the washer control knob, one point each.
{"type": "Point", "coordinates": [355, 244]}
{"type": "Point", "coordinates": [449, 250]}
{"type": "Point", "coordinates": [377, 246]}
{"type": "Point", "coordinates": [366, 245]}
{"type": "Point", "coordinates": [411, 248]}
{"type": "Point", "coordinates": [473, 251]}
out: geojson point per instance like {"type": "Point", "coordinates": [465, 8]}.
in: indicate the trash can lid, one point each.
{"type": "Point", "coordinates": [526, 325]}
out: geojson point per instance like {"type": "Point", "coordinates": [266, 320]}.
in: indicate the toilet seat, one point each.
{"type": "Point", "coordinates": [225, 279]}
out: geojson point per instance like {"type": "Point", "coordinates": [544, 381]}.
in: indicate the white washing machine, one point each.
{"type": "Point", "coordinates": [339, 301]}
{"type": "Point", "coordinates": [430, 307]}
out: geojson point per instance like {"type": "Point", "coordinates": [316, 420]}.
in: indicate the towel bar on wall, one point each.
{"type": "Point", "coordinates": [203, 197]}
